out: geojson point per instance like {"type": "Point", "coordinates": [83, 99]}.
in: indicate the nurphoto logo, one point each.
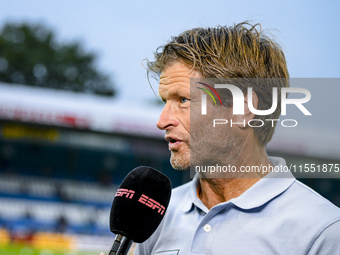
{"type": "Point", "coordinates": [238, 103]}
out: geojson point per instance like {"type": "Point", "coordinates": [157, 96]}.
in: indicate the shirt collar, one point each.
{"type": "Point", "coordinates": [270, 186]}
{"type": "Point", "coordinates": [192, 199]}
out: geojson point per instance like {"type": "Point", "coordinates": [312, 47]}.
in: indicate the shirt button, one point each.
{"type": "Point", "coordinates": [207, 228]}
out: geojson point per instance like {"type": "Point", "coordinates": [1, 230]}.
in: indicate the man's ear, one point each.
{"type": "Point", "coordinates": [248, 115]}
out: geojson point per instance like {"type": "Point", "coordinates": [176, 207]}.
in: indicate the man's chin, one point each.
{"type": "Point", "coordinates": [179, 163]}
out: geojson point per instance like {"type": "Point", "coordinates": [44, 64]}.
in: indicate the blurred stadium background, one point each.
{"type": "Point", "coordinates": [66, 146]}
{"type": "Point", "coordinates": [62, 155]}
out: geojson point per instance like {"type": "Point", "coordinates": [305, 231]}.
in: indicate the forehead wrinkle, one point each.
{"type": "Point", "coordinates": [176, 79]}
{"type": "Point", "coordinates": [176, 90]}
{"type": "Point", "coordinates": [175, 73]}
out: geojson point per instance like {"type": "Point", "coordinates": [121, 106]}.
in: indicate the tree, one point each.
{"type": "Point", "coordinates": [30, 54]}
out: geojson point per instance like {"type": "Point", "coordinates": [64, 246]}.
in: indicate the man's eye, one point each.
{"type": "Point", "coordinates": [184, 100]}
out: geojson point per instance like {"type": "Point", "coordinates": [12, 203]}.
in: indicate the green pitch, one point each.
{"type": "Point", "coordinates": [26, 250]}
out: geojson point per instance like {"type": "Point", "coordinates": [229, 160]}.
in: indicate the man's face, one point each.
{"type": "Point", "coordinates": [174, 89]}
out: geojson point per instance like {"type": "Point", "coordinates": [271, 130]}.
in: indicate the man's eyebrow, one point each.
{"type": "Point", "coordinates": [174, 93]}
{"type": "Point", "coordinates": [178, 93]}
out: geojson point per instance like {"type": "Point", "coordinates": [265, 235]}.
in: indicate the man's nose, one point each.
{"type": "Point", "coordinates": [167, 119]}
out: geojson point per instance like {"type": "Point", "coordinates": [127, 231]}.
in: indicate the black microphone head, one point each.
{"type": "Point", "coordinates": [140, 203]}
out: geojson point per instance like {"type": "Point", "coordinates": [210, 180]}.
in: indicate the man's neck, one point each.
{"type": "Point", "coordinates": [213, 191]}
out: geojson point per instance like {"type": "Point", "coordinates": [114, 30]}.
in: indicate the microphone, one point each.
{"type": "Point", "coordinates": [138, 207]}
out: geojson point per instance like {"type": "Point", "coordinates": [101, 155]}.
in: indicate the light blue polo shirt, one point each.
{"type": "Point", "coordinates": [274, 216]}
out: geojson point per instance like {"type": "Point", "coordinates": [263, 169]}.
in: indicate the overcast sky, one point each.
{"type": "Point", "coordinates": [123, 33]}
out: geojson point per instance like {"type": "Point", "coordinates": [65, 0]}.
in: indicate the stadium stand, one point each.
{"type": "Point", "coordinates": [63, 155]}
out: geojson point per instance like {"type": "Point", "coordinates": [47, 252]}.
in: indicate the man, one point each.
{"type": "Point", "coordinates": [230, 214]}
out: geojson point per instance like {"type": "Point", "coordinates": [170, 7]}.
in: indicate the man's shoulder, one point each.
{"type": "Point", "coordinates": [317, 213]}
{"type": "Point", "coordinates": [311, 199]}
{"type": "Point", "coordinates": [303, 205]}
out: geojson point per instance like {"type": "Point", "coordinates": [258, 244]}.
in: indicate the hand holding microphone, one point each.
{"type": "Point", "coordinates": [138, 207]}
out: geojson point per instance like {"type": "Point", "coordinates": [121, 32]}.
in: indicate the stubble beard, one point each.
{"type": "Point", "coordinates": [180, 160]}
